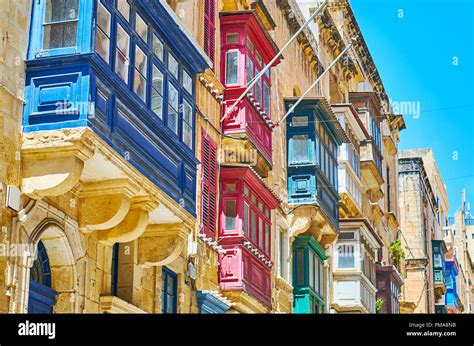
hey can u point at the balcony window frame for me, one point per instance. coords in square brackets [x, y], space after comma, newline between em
[169, 274]
[260, 215]
[260, 238]
[355, 255]
[60, 50]
[307, 130]
[226, 67]
[108, 35]
[303, 289]
[327, 154]
[252, 55]
[156, 61]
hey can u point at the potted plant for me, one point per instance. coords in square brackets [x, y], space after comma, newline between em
[397, 254]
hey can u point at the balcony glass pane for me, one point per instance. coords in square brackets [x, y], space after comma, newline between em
[124, 8]
[232, 67]
[232, 38]
[187, 124]
[173, 66]
[300, 148]
[142, 28]
[317, 274]
[157, 47]
[157, 93]
[258, 88]
[300, 267]
[254, 227]
[260, 233]
[346, 257]
[437, 261]
[249, 71]
[246, 219]
[102, 45]
[311, 271]
[122, 53]
[299, 122]
[187, 82]
[60, 10]
[140, 73]
[172, 108]
[267, 99]
[230, 215]
[267, 239]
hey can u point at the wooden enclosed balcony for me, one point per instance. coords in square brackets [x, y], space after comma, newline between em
[371, 165]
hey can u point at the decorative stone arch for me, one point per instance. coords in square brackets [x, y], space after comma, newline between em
[65, 247]
[61, 261]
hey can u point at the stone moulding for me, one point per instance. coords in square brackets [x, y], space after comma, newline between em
[245, 303]
[161, 244]
[115, 305]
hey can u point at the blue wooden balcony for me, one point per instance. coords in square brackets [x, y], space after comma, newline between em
[125, 70]
[313, 135]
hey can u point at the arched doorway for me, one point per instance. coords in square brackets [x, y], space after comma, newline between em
[41, 296]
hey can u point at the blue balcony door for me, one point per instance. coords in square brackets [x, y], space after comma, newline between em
[42, 297]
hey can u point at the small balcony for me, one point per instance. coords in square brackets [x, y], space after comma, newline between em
[244, 277]
[389, 283]
[248, 128]
[353, 294]
[350, 191]
[368, 109]
[354, 267]
[309, 276]
[439, 267]
[371, 165]
[313, 135]
[245, 236]
[246, 48]
[388, 140]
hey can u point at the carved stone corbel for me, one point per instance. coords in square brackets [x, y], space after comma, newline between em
[104, 205]
[49, 171]
[299, 224]
[311, 219]
[132, 226]
[161, 244]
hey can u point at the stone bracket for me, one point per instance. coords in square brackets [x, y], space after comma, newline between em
[132, 226]
[311, 219]
[161, 244]
[103, 205]
[53, 162]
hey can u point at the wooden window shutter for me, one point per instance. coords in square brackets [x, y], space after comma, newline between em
[208, 185]
[210, 29]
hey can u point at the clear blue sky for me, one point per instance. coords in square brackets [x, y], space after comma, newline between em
[414, 56]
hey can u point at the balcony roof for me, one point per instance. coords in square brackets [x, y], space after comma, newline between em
[354, 120]
[367, 224]
[322, 106]
[392, 271]
[250, 175]
[179, 38]
[262, 39]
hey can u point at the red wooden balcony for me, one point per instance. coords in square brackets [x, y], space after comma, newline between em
[245, 233]
[246, 48]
